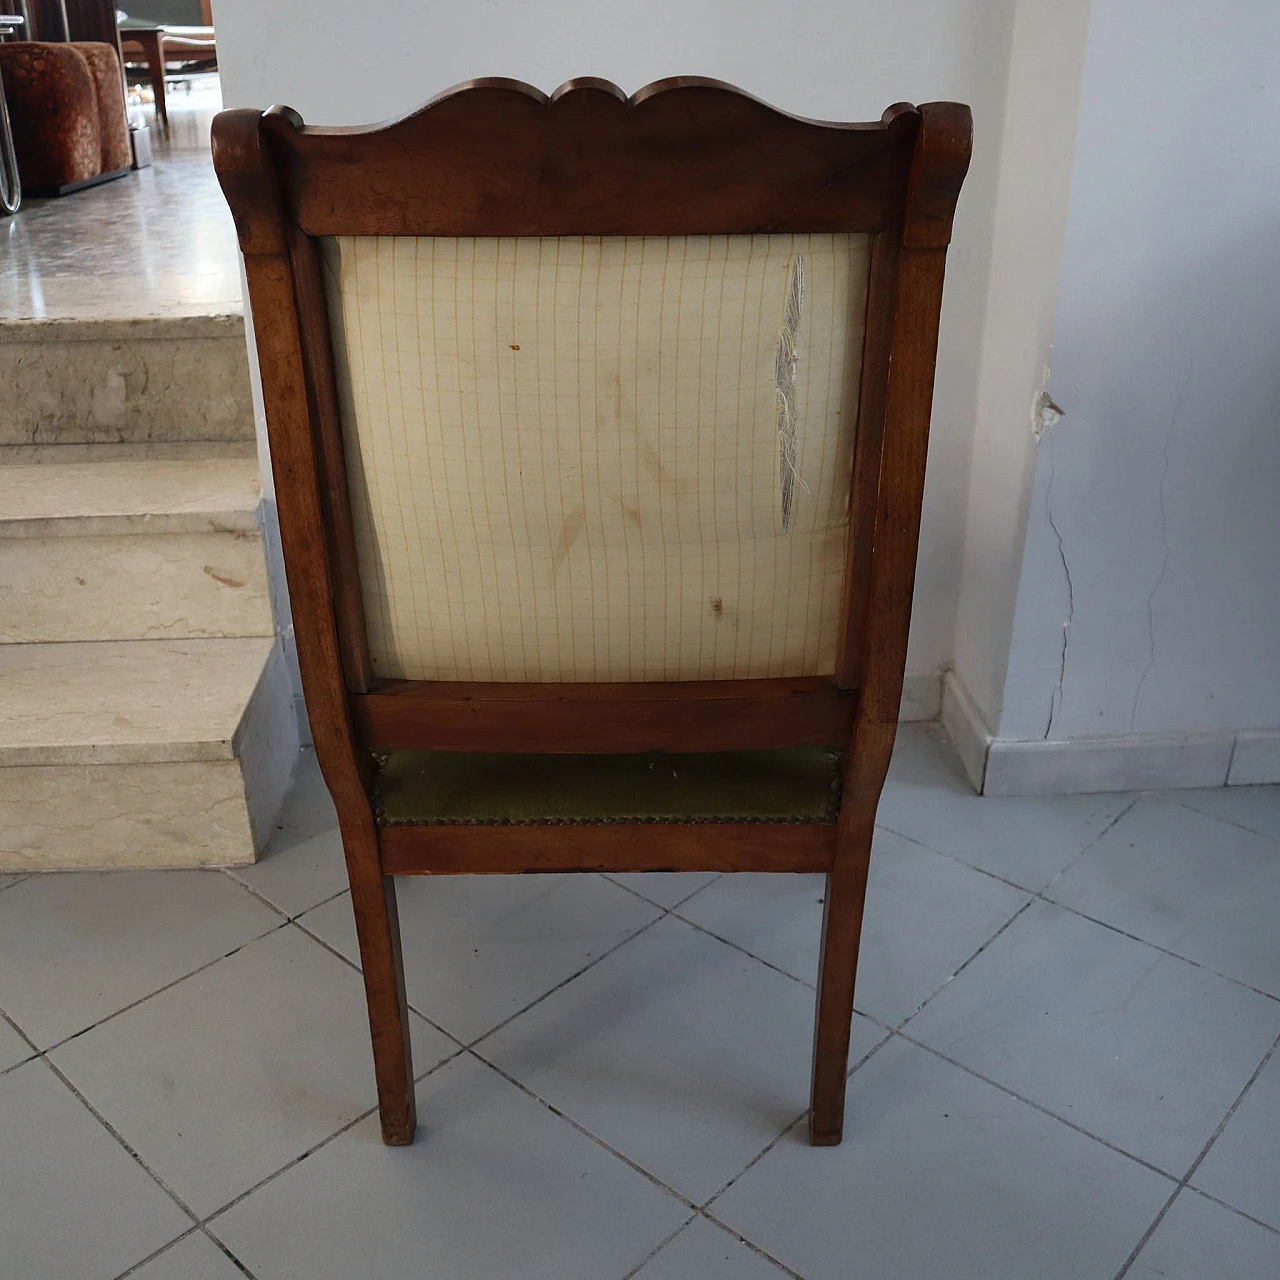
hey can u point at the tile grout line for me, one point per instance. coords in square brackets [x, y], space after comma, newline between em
[673, 911]
[1240, 1213]
[42, 1055]
[1185, 1181]
[1013, 884]
[35, 1048]
[1148, 1233]
[1155, 946]
[285, 919]
[1041, 894]
[111, 1129]
[280, 911]
[458, 1040]
[1216, 817]
[192, 1230]
[133, 1004]
[333, 951]
[472, 1051]
[604, 875]
[704, 1208]
[1235, 1106]
[658, 1248]
[1038, 1106]
[226, 1252]
[197, 1230]
[168, 986]
[751, 1244]
[811, 987]
[565, 982]
[1115, 822]
[310, 1151]
[587, 1133]
[946, 982]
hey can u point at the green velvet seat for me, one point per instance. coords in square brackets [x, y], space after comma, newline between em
[433, 787]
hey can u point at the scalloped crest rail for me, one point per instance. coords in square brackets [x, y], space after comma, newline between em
[681, 157]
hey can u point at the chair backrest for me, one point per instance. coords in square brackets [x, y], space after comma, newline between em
[593, 391]
[577, 459]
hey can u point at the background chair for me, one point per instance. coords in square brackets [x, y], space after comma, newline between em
[157, 33]
[599, 432]
[67, 114]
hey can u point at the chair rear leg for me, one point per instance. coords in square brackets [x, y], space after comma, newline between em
[373, 897]
[838, 967]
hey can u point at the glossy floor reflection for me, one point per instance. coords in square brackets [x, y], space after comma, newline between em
[1072, 1077]
[157, 242]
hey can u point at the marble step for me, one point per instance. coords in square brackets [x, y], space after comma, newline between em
[132, 549]
[150, 753]
[170, 378]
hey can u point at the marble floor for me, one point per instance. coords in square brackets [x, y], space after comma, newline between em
[157, 242]
[1063, 1062]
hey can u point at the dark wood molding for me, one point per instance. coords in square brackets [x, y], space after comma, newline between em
[650, 846]
[712, 715]
[681, 157]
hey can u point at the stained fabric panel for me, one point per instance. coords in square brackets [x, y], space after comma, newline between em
[599, 459]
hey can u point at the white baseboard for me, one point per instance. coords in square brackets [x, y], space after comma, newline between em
[1135, 762]
[1256, 758]
[966, 728]
[1132, 762]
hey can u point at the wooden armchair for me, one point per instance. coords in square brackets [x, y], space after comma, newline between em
[599, 431]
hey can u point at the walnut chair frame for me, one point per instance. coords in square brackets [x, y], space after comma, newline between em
[683, 156]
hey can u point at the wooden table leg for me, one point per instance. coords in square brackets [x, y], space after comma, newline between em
[152, 43]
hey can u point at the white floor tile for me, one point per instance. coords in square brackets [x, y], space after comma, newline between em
[1142, 1049]
[666, 888]
[1202, 888]
[73, 1202]
[1257, 808]
[680, 1052]
[1200, 1240]
[13, 1048]
[1028, 841]
[496, 1186]
[479, 948]
[78, 946]
[194, 1258]
[945, 1177]
[1243, 1166]
[226, 1077]
[909, 734]
[775, 916]
[302, 864]
[926, 914]
[703, 1251]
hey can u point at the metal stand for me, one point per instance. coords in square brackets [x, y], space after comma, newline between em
[10, 179]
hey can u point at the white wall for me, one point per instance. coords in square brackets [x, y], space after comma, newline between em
[1155, 519]
[1045, 65]
[840, 59]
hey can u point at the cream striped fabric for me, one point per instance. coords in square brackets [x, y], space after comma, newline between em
[599, 459]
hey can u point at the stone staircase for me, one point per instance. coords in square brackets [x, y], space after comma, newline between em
[146, 714]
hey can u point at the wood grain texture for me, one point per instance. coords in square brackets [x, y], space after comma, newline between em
[914, 304]
[684, 156]
[335, 500]
[681, 157]
[290, 412]
[642, 846]
[713, 715]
